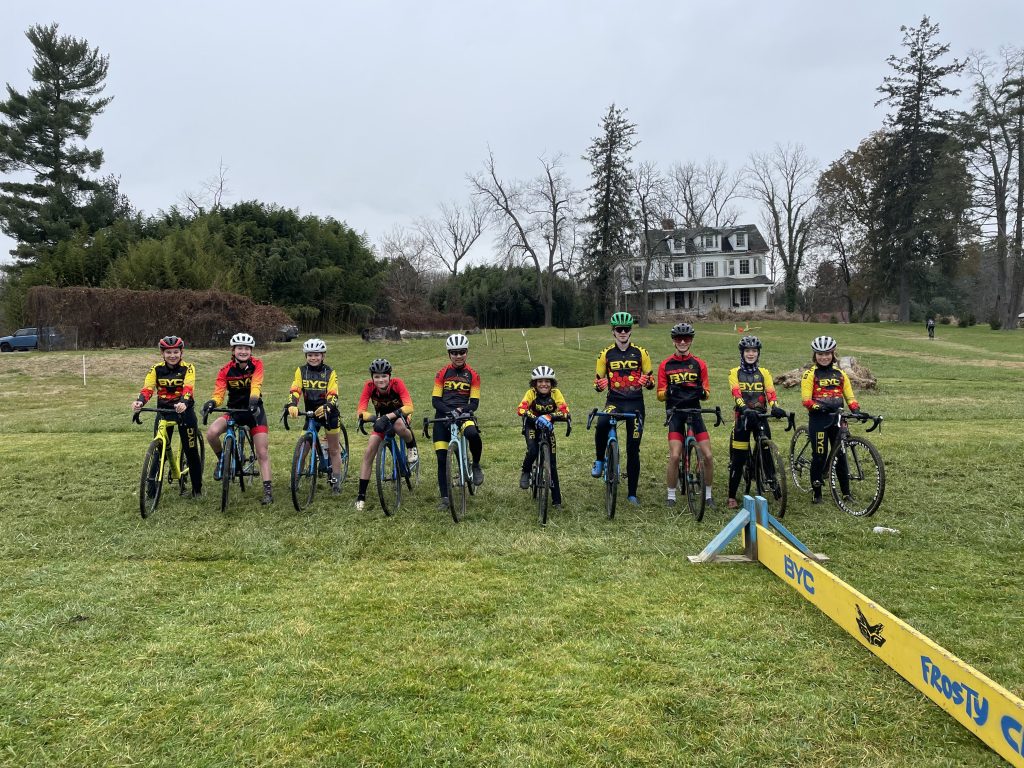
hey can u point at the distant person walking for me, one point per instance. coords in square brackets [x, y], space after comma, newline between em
[931, 327]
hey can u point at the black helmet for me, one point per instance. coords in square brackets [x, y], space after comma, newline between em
[172, 342]
[380, 365]
[750, 342]
[683, 329]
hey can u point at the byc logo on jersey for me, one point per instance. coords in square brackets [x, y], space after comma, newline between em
[457, 386]
[829, 382]
[684, 377]
[240, 383]
[313, 384]
[179, 382]
[623, 365]
[751, 386]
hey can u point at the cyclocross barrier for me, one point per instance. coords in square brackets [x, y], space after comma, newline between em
[981, 705]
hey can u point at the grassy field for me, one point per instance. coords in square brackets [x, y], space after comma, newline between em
[265, 637]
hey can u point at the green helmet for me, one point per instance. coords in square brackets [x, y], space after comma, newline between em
[621, 318]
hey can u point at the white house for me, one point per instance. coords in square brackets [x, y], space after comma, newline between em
[694, 270]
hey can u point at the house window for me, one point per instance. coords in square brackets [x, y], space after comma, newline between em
[638, 274]
[741, 241]
[732, 268]
[709, 269]
[689, 270]
[650, 301]
[757, 266]
[744, 266]
[709, 241]
[667, 271]
[680, 300]
[679, 269]
[678, 244]
[744, 297]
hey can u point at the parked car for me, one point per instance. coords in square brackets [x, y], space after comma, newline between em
[287, 332]
[25, 339]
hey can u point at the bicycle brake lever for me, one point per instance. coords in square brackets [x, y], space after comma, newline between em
[135, 417]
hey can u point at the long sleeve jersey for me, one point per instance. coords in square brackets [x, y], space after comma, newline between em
[752, 388]
[171, 383]
[315, 386]
[623, 369]
[683, 381]
[455, 388]
[828, 386]
[552, 404]
[395, 398]
[238, 382]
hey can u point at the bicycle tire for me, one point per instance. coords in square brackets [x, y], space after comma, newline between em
[342, 471]
[456, 484]
[611, 478]
[412, 471]
[227, 471]
[867, 478]
[183, 470]
[695, 497]
[800, 454]
[247, 465]
[543, 482]
[772, 486]
[304, 469]
[151, 481]
[389, 484]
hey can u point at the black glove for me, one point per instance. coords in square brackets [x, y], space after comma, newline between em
[455, 413]
[382, 424]
[778, 413]
[750, 414]
[254, 404]
[829, 408]
[208, 406]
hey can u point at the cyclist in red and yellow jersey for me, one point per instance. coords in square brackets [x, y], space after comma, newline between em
[392, 406]
[316, 384]
[173, 381]
[240, 383]
[542, 405]
[823, 389]
[456, 390]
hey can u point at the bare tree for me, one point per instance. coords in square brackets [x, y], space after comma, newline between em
[536, 221]
[211, 193]
[705, 195]
[448, 238]
[652, 194]
[783, 183]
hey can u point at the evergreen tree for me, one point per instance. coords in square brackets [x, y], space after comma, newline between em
[40, 132]
[610, 216]
[921, 142]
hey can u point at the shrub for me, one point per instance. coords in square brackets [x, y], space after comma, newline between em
[962, 322]
[995, 323]
[944, 320]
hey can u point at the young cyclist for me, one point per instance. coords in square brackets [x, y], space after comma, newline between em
[392, 405]
[541, 405]
[683, 383]
[823, 389]
[624, 370]
[240, 382]
[174, 382]
[316, 383]
[456, 390]
[752, 388]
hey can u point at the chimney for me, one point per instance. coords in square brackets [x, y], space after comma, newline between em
[668, 225]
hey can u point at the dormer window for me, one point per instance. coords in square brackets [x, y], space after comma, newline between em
[741, 241]
[678, 245]
[638, 273]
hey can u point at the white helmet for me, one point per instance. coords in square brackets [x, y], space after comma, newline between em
[456, 341]
[314, 345]
[823, 344]
[243, 340]
[543, 372]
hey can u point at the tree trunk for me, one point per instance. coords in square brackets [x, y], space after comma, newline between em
[904, 295]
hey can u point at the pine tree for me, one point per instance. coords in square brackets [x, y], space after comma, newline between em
[610, 217]
[40, 134]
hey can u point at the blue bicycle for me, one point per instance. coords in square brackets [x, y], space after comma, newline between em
[309, 460]
[460, 473]
[611, 473]
[392, 467]
[237, 457]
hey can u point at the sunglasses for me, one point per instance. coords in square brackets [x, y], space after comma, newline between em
[458, 351]
[687, 339]
[622, 329]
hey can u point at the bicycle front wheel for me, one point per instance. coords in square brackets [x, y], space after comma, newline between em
[412, 470]
[457, 482]
[152, 481]
[611, 478]
[389, 482]
[304, 470]
[800, 454]
[543, 489]
[228, 470]
[342, 471]
[770, 472]
[695, 498]
[866, 474]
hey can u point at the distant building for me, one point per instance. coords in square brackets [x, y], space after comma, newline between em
[695, 270]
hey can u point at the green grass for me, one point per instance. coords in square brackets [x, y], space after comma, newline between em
[266, 637]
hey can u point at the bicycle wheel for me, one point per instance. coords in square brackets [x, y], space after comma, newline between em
[304, 470]
[770, 472]
[867, 478]
[342, 471]
[695, 498]
[543, 489]
[151, 482]
[412, 473]
[389, 483]
[227, 456]
[246, 466]
[611, 478]
[800, 453]
[183, 470]
[457, 483]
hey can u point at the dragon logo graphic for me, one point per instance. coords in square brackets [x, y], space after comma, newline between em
[871, 632]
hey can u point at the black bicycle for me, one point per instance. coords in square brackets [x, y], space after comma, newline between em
[865, 471]
[764, 467]
[540, 475]
[691, 461]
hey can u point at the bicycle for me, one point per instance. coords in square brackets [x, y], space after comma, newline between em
[391, 468]
[540, 474]
[761, 450]
[691, 461]
[310, 459]
[610, 473]
[159, 464]
[460, 473]
[237, 455]
[864, 466]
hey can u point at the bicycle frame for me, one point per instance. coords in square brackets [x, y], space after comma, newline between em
[458, 443]
[153, 479]
[691, 470]
[610, 474]
[391, 474]
[540, 486]
[234, 463]
[307, 464]
[773, 491]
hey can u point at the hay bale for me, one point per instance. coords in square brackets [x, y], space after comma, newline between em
[860, 377]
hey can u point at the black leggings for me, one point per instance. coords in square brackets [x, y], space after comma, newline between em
[532, 449]
[824, 433]
[441, 437]
[634, 429]
[188, 432]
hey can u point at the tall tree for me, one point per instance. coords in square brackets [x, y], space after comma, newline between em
[39, 135]
[611, 217]
[705, 194]
[652, 200]
[921, 134]
[783, 183]
[995, 137]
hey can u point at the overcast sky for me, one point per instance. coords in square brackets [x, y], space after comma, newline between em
[374, 112]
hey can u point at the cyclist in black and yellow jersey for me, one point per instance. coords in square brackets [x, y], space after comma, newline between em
[316, 384]
[456, 390]
[173, 381]
[623, 370]
[542, 405]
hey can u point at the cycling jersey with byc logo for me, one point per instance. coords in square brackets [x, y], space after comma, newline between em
[752, 389]
[171, 383]
[395, 398]
[238, 382]
[316, 386]
[828, 386]
[456, 386]
[683, 381]
[535, 404]
[623, 369]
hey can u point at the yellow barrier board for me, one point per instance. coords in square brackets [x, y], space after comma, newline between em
[982, 706]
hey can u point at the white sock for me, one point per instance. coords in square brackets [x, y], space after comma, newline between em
[707, 491]
[672, 494]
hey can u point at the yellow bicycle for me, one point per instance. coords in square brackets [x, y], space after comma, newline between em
[160, 464]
